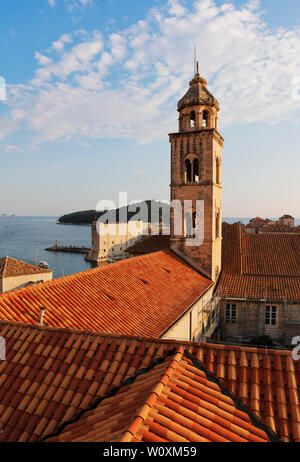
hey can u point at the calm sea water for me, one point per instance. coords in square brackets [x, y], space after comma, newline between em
[24, 237]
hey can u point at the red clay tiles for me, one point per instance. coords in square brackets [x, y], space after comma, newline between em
[144, 308]
[260, 266]
[37, 395]
[10, 267]
[160, 406]
[149, 244]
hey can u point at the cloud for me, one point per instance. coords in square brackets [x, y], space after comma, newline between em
[10, 149]
[72, 4]
[60, 43]
[42, 60]
[128, 84]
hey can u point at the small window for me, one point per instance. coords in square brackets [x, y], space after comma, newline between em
[218, 224]
[195, 171]
[270, 315]
[192, 119]
[205, 119]
[188, 171]
[230, 314]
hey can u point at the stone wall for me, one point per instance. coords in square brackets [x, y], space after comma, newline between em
[250, 321]
[113, 239]
[206, 145]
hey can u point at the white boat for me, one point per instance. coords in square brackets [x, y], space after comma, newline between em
[43, 264]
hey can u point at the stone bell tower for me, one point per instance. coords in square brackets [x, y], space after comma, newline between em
[196, 175]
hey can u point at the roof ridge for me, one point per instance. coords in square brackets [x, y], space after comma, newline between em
[79, 332]
[256, 421]
[174, 342]
[156, 391]
[5, 265]
[130, 380]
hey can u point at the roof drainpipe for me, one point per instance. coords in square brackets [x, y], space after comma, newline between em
[42, 314]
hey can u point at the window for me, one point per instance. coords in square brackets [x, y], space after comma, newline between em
[230, 314]
[270, 315]
[218, 224]
[188, 171]
[194, 224]
[188, 224]
[205, 119]
[195, 171]
[192, 119]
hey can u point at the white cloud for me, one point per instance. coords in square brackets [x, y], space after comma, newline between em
[42, 60]
[60, 43]
[141, 171]
[128, 85]
[176, 8]
[72, 4]
[9, 149]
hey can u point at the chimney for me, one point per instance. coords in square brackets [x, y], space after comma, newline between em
[42, 314]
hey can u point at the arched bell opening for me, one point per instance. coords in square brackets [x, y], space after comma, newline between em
[188, 171]
[193, 119]
[205, 119]
[195, 178]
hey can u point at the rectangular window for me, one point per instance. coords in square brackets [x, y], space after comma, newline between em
[230, 314]
[270, 315]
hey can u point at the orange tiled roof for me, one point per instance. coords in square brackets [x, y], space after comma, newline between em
[142, 296]
[172, 402]
[150, 244]
[52, 375]
[9, 267]
[260, 266]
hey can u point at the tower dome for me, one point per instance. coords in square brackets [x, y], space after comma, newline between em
[198, 107]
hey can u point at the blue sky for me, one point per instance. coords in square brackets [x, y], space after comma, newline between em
[92, 88]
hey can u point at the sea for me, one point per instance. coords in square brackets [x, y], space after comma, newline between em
[26, 238]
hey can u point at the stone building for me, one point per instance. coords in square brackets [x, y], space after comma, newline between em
[287, 220]
[285, 224]
[260, 285]
[196, 175]
[16, 274]
[110, 240]
[168, 293]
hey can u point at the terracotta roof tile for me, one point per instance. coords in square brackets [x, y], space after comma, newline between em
[78, 301]
[10, 267]
[260, 266]
[164, 377]
[149, 244]
[162, 419]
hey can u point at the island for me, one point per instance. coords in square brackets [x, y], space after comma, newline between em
[160, 212]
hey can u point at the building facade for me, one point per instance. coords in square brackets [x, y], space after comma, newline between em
[196, 175]
[15, 274]
[259, 285]
[110, 240]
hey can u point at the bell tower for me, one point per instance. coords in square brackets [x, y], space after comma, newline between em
[196, 175]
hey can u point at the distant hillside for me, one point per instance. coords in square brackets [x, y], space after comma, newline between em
[86, 217]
